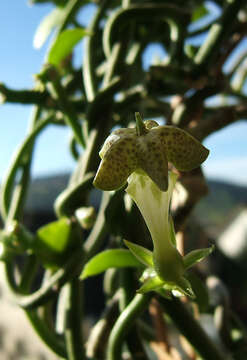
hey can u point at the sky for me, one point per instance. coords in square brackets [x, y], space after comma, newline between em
[19, 60]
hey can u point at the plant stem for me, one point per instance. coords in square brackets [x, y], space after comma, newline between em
[124, 324]
[219, 30]
[191, 329]
[89, 74]
[47, 290]
[73, 331]
[8, 183]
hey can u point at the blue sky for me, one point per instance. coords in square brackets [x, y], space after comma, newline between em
[19, 60]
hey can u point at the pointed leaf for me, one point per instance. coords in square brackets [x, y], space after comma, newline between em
[151, 284]
[114, 258]
[46, 26]
[55, 235]
[195, 256]
[199, 12]
[54, 242]
[64, 44]
[144, 255]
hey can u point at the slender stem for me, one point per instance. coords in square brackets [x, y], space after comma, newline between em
[70, 116]
[73, 331]
[124, 323]
[99, 231]
[47, 290]
[191, 329]
[89, 73]
[7, 186]
[219, 30]
[133, 340]
[23, 96]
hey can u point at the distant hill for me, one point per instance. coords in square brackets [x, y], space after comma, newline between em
[223, 198]
[43, 192]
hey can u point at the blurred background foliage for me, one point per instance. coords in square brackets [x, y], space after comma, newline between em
[44, 245]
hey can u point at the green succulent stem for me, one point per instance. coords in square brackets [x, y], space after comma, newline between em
[124, 323]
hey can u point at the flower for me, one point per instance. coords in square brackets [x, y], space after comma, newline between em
[148, 147]
[140, 156]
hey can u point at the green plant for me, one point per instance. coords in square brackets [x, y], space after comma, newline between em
[113, 87]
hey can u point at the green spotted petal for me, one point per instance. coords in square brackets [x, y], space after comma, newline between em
[182, 150]
[119, 160]
[114, 137]
[152, 158]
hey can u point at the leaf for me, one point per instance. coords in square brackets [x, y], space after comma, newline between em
[54, 242]
[55, 235]
[114, 258]
[151, 284]
[46, 26]
[195, 256]
[144, 255]
[200, 12]
[64, 44]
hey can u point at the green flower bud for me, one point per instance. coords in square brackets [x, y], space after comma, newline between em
[86, 217]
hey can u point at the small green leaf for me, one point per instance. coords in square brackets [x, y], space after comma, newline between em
[64, 44]
[46, 26]
[151, 284]
[115, 258]
[144, 255]
[199, 12]
[195, 256]
[55, 235]
[54, 242]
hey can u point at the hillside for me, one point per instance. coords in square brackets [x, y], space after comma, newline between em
[223, 198]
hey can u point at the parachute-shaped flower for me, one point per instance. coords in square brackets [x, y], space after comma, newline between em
[148, 147]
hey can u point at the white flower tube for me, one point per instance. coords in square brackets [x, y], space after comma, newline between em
[154, 205]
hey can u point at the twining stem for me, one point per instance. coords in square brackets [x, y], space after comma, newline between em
[73, 331]
[124, 323]
[89, 74]
[7, 187]
[218, 31]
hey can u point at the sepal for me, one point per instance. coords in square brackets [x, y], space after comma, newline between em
[144, 255]
[196, 256]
